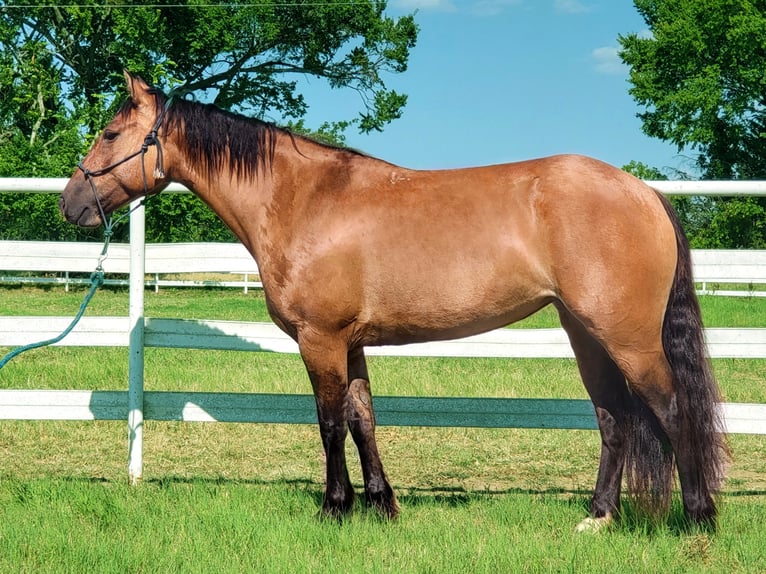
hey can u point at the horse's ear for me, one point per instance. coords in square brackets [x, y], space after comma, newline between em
[137, 87]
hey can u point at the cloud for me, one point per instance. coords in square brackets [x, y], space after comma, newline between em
[607, 61]
[492, 7]
[435, 5]
[475, 7]
[570, 6]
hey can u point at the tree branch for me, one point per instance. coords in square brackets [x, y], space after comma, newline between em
[39, 122]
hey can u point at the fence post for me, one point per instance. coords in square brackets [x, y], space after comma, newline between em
[136, 356]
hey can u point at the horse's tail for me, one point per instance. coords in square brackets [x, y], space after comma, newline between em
[697, 395]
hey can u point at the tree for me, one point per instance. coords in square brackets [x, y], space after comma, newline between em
[701, 79]
[60, 67]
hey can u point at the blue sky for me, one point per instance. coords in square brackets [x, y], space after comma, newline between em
[492, 81]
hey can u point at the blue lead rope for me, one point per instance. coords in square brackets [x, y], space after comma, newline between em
[96, 280]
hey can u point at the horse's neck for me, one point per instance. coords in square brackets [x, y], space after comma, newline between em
[236, 203]
[264, 210]
[256, 208]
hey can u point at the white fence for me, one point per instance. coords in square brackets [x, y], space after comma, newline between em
[138, 331]
[161, 259]
[712, 267]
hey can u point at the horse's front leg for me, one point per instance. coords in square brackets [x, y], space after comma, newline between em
[326, 363]
[361, 421]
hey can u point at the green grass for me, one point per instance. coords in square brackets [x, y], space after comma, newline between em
[234, 497]
[231, 526]
[232, 304]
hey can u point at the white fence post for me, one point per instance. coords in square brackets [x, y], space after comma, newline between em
[136, 360]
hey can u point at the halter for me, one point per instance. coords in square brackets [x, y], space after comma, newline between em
[151, 139]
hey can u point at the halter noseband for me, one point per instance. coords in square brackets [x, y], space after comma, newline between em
[151, 139]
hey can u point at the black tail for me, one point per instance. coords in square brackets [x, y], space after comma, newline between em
[649, 460]
[684, 344]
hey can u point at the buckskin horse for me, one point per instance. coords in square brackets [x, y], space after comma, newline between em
[355, 251]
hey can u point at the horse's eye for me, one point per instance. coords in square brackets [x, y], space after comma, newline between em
[109, 135]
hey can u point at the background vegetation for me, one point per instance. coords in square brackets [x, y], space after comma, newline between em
[60, 68]
[697, 74]
[700, 78]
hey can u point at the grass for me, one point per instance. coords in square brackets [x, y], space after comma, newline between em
[233, 497]
[232, 304]
[224, 526]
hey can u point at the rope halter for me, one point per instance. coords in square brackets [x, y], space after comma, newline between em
[151, 139]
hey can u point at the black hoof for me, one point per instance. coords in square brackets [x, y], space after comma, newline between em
[337, 507]
[384, 503]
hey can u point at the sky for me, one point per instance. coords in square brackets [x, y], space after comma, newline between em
[494, 81]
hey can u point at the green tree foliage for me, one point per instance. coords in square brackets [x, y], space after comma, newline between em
[701, 79]
[61, 66]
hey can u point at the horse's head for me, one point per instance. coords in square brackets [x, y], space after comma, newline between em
[124, 163]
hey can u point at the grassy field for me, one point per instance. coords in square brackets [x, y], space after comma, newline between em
[234, 497]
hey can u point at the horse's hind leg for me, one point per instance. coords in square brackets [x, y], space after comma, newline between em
[361, 421]
[606, 386]
[667, 414]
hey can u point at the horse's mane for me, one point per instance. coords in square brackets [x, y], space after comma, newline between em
[219, 139]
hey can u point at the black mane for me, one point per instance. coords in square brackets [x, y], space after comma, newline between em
[219, 139]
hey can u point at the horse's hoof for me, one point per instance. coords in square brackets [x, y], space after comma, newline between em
[594, 525]
[337, 507]
[333, 514]
[384, 503]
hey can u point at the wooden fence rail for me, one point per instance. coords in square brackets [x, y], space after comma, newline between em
[573, 414]
[736, 343]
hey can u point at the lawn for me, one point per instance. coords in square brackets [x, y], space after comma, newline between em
[236, 497]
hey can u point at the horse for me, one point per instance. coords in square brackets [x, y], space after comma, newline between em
[355, 251]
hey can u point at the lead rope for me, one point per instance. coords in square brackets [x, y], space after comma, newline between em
[96, 280]
[97, 277]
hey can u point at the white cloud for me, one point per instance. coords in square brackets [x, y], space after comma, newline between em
[607, 60]
[475, 7]
[436, 5]
[492, 7]
[570, 6]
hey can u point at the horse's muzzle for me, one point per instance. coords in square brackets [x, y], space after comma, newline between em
[78, 208]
